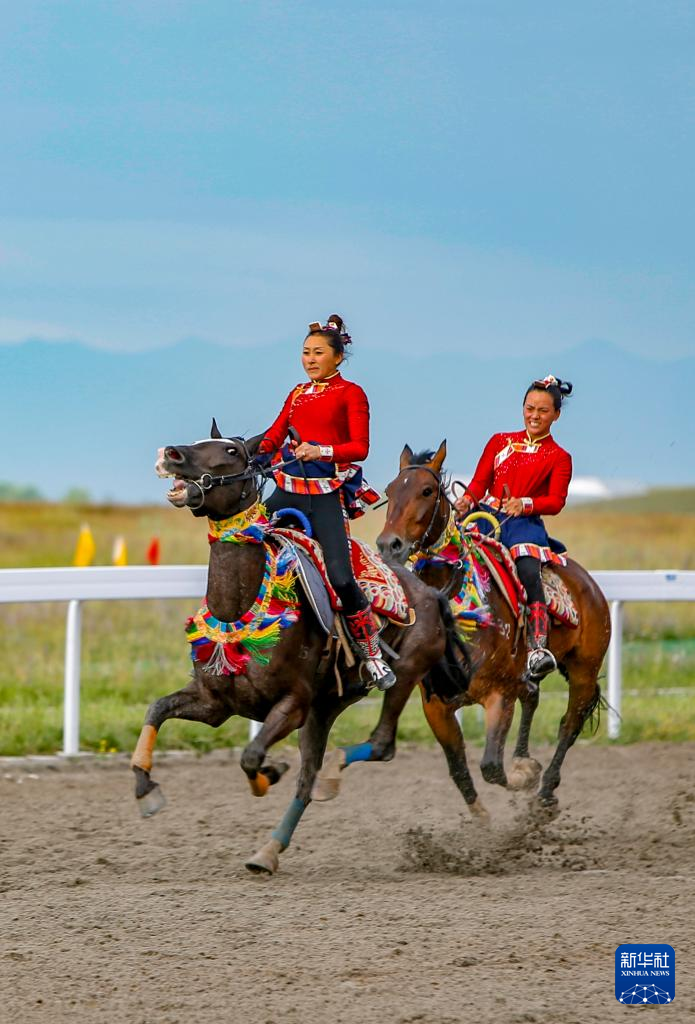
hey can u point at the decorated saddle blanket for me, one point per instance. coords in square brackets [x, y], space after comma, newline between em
[377, 580]
[499, 562]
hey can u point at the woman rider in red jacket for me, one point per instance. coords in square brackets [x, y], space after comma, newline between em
[521, 476]
[331, 416]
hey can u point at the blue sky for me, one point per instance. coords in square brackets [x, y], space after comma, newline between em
[510, 177]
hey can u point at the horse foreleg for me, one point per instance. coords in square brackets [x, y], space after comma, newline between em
[185, 704]
[282, 719]
[312, 744]
[584, 697]
[499, 711]
[381, 745]
[442, 720]
[525, 769]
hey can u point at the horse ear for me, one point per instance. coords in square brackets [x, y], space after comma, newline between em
[406, 456]
[253, 444]
[438, 460]
[214, 429]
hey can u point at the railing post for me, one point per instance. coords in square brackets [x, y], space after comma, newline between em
[71, 695]
[615, 668]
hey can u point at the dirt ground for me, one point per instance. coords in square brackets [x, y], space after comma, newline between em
[391, 906]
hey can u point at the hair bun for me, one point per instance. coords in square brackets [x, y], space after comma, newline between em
[337, 323]
[565, 387]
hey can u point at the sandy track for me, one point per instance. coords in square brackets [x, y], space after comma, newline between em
[391, 906]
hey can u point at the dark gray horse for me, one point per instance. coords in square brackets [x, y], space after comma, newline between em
[297, 688]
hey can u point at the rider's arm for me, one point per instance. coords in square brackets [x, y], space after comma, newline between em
[485, 471]
[554, 501]
[356, 447]
[276, 434]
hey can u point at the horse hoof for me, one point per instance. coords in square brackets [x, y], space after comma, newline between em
[548, 806]
[266, 777]
[479, 813]
[327, 782]
[267, 860]
[151, 802]
[494, 774]
[524, 773]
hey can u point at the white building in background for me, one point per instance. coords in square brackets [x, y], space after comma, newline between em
[586, 488]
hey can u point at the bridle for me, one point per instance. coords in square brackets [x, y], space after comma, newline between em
[424, 545]
[207, 481]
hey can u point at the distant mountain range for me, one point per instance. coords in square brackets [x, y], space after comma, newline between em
[73, 416]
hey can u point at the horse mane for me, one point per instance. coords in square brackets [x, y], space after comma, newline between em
[424, 458]
[421, 458]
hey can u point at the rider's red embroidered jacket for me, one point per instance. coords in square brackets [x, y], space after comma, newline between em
[334, 412]
[538, 472]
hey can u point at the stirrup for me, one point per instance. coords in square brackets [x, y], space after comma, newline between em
[539, 664]
[381, 674]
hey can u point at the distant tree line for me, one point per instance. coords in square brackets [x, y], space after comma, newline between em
[28, 492]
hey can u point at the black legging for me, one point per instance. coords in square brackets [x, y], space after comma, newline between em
[529, 570]
[325, 513]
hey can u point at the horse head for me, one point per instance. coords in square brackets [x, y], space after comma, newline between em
[213, 477]
[418, 508]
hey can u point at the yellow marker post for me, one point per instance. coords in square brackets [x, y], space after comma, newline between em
[120, 551]
[85, 549]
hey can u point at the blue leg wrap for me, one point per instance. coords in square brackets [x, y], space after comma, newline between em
[358, 752]
[283, 833]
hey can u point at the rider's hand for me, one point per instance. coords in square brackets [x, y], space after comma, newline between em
[307, 452]
[513, 506]
[463, 504]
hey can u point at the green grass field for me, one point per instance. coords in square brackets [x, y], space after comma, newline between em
[135, 651]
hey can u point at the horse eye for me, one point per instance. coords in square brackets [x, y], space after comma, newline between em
[427, 491]
[231, 451]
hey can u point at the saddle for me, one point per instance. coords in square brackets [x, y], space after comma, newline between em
[376, 579]
[498, 561]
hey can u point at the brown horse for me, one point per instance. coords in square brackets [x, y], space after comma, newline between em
[417, 516]
[298, 687]
[418, 513]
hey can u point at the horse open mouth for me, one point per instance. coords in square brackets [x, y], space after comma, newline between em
[178, 493]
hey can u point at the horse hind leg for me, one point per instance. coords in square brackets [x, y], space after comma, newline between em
[184, 704]
[312, 745]
[583, 700]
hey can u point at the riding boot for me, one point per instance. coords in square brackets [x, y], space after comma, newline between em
[363, 630]
[540, 660]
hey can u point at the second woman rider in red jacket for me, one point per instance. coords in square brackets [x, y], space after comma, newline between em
[521, 476]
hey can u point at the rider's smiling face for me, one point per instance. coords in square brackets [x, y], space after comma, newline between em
[539, 413]
[319, 359]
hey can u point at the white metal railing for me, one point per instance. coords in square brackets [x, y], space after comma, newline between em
[144, 582]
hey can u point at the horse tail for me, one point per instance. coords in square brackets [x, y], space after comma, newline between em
[592, 712]
[449, 678]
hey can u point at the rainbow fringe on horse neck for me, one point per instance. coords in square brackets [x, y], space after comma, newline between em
[469, 606]
[226, 648]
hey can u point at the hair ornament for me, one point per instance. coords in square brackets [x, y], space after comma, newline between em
[548, 382]
[331, 325]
